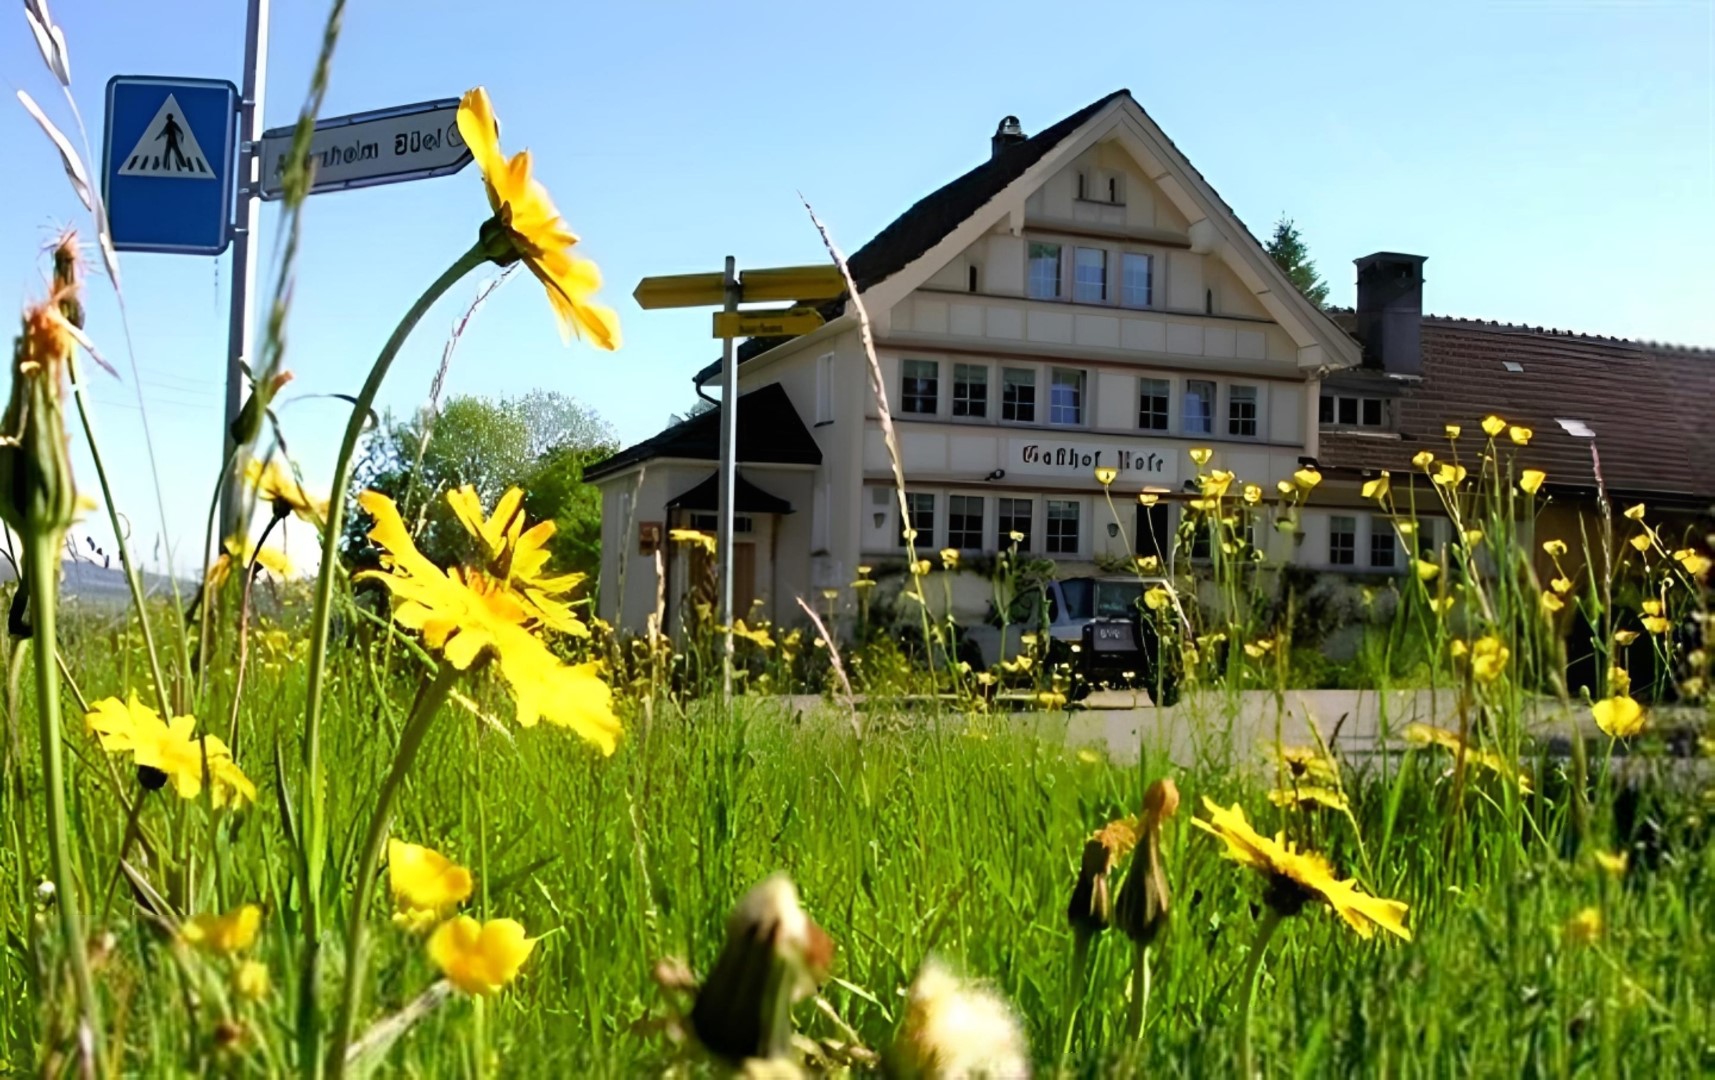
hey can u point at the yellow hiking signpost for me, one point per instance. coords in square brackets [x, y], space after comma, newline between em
[728, 289]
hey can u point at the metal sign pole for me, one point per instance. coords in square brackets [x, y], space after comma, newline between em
[729, 478]
[246, 216]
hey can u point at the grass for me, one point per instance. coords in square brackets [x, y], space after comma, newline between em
[932, 835]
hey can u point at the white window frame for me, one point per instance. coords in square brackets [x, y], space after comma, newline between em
[1047, 539]
[1084, 410]
[1059, 247]
[982, 521]
[1163, 381]
[953, 400]
[1256, 403]
[936, 364]
[1153, 264]
[1103, 287]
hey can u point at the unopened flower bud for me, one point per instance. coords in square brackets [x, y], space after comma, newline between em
[36, 492]
[1145, 898]
[1089, 910]
[774, 956]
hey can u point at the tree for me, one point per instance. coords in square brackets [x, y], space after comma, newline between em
[1288, 251]
[540, 442]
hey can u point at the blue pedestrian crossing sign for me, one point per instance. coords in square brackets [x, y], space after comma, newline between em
[168, 160]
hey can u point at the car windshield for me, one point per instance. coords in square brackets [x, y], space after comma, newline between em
[1117, 599]
[1078, 593]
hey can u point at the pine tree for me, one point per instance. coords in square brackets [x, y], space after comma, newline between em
[1288, 250]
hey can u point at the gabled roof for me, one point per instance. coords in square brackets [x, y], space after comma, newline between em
[747, 497]
[1648, 405]
[936, 214]
[769, 432]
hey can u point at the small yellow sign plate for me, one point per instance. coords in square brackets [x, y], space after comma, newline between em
[794, 283]
[781, 322]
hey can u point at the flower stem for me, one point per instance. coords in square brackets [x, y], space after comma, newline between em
[1139, 994]
[313, 825]
[429, 700]
[1253, 969]
[41, 550]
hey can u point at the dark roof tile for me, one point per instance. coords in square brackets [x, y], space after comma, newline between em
[771, 432]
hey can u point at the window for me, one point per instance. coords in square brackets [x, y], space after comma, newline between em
[1342, 540]
[922, 519]
[1045, 271]
[1350, 411]
[920, 386]
[965, 522]
[825, 389]
[970, 390]
[1090, 276]
[1062, 527]
[1018, 395]
[1241, 412]
[1113, 189]
[1137, 277]
[972, 279]
[1153, 534]
[1066, 396]
[1199, 407]
[1383, 544]
[1083, 185]
[1012, 516]
[1152, 403]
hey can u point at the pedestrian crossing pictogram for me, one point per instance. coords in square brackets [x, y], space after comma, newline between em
[168, 148]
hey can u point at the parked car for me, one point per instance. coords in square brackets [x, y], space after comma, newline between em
[1096, 622]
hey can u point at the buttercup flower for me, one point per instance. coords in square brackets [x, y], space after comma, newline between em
[1550, 602]
[1625, 637]
[426, 885]
[1493, 425]
[1429, 735]
[757, 635]
[1554, 548]
[251, 981]
[1452, 431]
[1561, 585]
[1635, 512]
[1531, 480]
[1423, 459]
[1201, 455]
[949, 558]
[921, 568]
[1488, 658]
[1612, 862]
[1157, 599]
[1692, 561]
[1147, 498]
[1584, 927]
[694, 537]
[1215, 485]
[1520, 435]
[1426, 570]
[1304, 796]
[275, 485]
[1448, 474]
[465, 617]
[1106, 474]
[1377, 488]
[228, 933]
[1642, 542]
[1296, 878]
[239, 553]
[1307, 478]
[1619, 717]
[1655, 624]
[480, 958]
[530, 228]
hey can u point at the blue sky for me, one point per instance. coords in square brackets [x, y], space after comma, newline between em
[1555, 161]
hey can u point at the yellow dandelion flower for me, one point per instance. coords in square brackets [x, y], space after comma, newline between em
[518, 556]
[1307, 796]
[274, 484]
[1297, 877]
[1493, 425]
[531, 229]
[1201, 455]
[1106, 475]
[1378, 488]
[466, 617]
[232, 932]
[1307, 478]
[1306, 764]
[167, 750]
[1423, 459]
[1530, 481]
[1430, 735]
[1520, 435]
[479, 958]
[426, 885]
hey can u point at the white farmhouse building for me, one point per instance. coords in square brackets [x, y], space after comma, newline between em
[1081, 298]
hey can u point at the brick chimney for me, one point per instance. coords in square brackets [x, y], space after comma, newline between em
[1390, 311]
[1008, 133]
